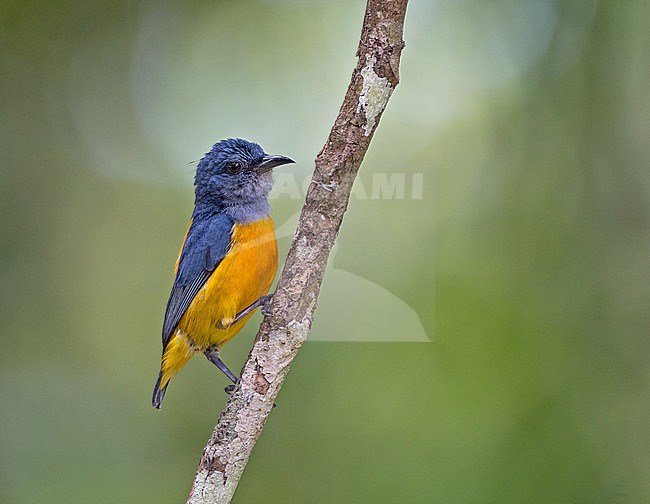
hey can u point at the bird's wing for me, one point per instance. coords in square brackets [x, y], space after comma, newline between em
[206, 244]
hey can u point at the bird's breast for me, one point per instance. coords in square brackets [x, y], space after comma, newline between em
[242, 277]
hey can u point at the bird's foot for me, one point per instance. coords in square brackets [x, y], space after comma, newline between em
[229, 389]
[266, 305]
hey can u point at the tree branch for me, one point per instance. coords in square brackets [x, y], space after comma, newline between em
[292, 307]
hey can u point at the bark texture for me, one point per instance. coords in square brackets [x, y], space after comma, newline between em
[292, 307]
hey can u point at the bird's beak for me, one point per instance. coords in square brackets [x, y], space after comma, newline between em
[270, 162]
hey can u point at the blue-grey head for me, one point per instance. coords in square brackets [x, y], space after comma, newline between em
[236, 177]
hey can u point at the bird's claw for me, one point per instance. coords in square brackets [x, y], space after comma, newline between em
[266, 306]
[229, 389]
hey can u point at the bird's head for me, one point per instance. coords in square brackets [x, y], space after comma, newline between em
[235, 174]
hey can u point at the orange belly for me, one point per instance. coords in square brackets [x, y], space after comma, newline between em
[242, 277]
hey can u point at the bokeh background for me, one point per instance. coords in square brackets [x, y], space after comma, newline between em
[523, 268]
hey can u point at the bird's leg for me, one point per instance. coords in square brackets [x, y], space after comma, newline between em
[263, 302]
[212, 354]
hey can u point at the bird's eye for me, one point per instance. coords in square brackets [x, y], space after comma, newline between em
[234, 167]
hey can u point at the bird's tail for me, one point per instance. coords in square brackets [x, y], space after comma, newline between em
[158, 392]
[177, 352]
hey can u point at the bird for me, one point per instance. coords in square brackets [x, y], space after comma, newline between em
[227, 261]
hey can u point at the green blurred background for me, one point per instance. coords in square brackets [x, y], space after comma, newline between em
[526, 262]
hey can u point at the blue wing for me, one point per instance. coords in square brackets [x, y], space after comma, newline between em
[205, 246]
